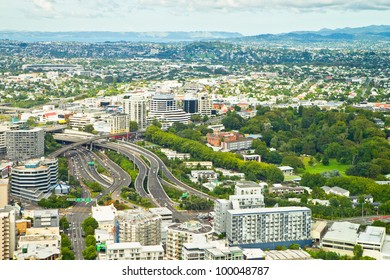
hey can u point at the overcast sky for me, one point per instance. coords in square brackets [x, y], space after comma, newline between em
[248, 17]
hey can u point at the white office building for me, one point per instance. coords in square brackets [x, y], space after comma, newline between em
[35, 179]
[135, 107]
[164, 108]
[269, 227]
[25, 144]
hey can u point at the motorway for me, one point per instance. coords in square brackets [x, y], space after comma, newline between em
[149, 155]
[154, 187]
[81, 210]
[141, 165]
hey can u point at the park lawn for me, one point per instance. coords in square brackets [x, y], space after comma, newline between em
[318, 167]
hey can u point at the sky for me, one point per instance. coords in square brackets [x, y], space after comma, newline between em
[248, 17]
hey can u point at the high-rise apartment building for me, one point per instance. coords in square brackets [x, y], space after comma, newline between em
[25, 144]
[247, 195]
[7, 233]
[3, 145]
[138, 226]
[135, 107]
[178, 234]
[269, 227]
[119, 123]
[205, 104]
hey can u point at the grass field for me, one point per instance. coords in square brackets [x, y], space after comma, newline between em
[318, 167]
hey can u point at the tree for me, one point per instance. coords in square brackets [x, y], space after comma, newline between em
[155, 122]
[89, 225]
[357, 252]
[133, 126]
[90, 241]
[293, 161]
[294, 246]
[67, 254]
[89, 129]
[64, 224]
[90, 253]
[325, 160]
[65, 241]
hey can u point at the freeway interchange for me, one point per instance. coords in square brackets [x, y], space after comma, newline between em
[148, 183]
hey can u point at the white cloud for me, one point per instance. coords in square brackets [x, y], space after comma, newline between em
[118, 8]
[45, 5]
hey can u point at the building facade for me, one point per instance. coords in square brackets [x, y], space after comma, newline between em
[25, 144]
[119, 123]
[133, 251]
[138, 226]
[178, 234]
[267, 228]
[135, 107]
[34, 179]
[7, 233]
[164, 108]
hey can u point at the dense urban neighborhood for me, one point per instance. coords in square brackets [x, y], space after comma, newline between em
[236, 148]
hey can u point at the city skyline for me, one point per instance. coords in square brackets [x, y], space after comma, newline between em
[247, 17]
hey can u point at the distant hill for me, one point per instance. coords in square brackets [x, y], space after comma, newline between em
[367, 33]
[96, 36]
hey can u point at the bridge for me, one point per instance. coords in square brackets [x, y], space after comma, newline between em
[77, 142]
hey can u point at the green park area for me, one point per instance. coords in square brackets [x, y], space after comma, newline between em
[318, 167]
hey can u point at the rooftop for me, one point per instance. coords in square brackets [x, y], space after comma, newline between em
[104, 213]
[372, 235]
[268, 210]
[191, 227]
[247, 184]
[287, 255]
[162, 211]
[343, 232]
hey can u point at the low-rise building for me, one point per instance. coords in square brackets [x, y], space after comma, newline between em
[341, 236]
[133, 251]
[46, 218]
[372, 238]
[335, 190]
[196, 164]
[105, 216]
[287, 255]
[175, 155]
[199, 175]
[40, 238]
[286, 170]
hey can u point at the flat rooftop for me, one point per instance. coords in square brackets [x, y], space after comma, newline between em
[268, 210]
[163, 211]
[342, 232]
[372, 234]
[287, 255]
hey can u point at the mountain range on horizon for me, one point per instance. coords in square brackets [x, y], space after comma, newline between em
[372, 32]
